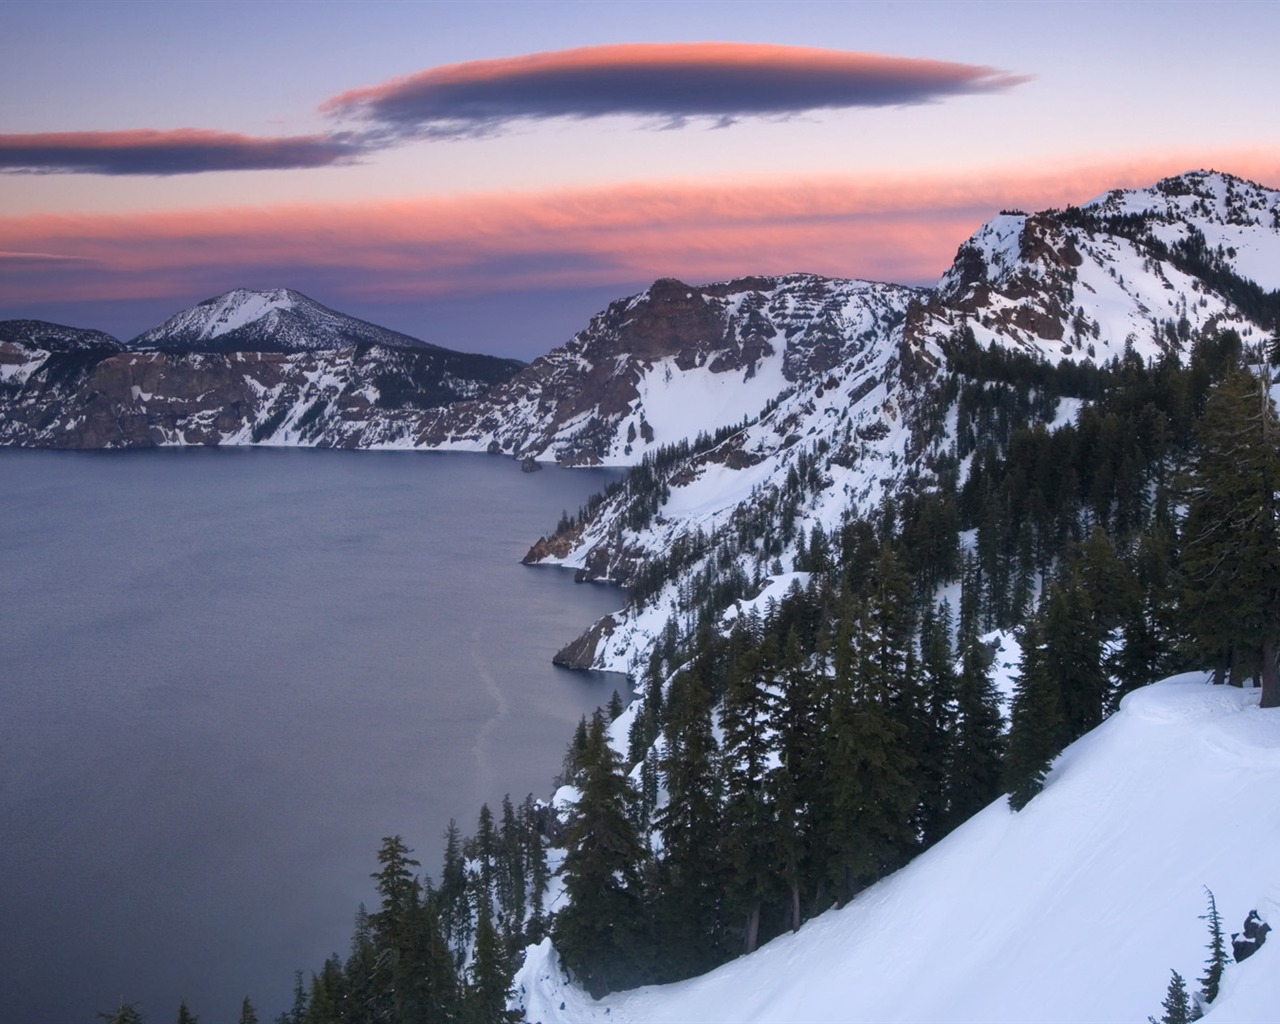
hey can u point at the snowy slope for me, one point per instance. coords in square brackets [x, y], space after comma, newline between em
[1230, 212]
[1073, 910]
[280, 320]
[1081, 284]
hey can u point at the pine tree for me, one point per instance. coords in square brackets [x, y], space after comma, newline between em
[427, 983]
[573, 754]
[185, 1016]
[512, 882]
[935, 752]
[794, 778]
[451, 897]
[1037, 730]
[1176, 1005]
[327, 1003]
[365, 992]
[596, 933]
[535, 856]
[415, 965]
[870, 770]
[616, 707]
[1217, 960]
[482, 849]
[489, 986]
[976, 760]
[690, 880]
[297, 1014]
[396, 885]
[248, 1015]
[125, 1013]
[1074, 635]
[1231, 532]
[1144, 654]
[749, 743]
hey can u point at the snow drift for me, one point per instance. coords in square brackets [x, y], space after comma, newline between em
[1074, 909]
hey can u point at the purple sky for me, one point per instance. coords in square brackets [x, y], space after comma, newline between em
[485, 176]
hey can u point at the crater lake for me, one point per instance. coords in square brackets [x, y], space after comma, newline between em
[226, 674]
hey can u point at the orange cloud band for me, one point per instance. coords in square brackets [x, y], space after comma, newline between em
[900, 230]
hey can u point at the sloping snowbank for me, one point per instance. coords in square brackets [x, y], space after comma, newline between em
[1073, 910]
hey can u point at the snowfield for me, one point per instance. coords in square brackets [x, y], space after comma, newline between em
[1073, 910]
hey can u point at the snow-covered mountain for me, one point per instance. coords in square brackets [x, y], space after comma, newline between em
[1137, 271]
[281, 320]
[670, 363]
[1140, 267]
[244, 368]
[1074, 909]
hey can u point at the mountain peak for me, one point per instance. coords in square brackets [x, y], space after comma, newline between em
[1202, 195]
[276, 320]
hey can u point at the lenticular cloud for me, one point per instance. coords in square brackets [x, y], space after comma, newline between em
[179, 151]
[672, 82]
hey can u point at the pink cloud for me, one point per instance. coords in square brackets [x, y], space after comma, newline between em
[669, 81]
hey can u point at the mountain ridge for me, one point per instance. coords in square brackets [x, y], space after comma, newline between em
[1132, 269]
[1053, 287]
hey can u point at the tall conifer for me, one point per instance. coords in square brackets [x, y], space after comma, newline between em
[597, 933]
[1231, 532]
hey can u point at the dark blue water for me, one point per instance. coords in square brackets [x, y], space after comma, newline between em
[225, 675]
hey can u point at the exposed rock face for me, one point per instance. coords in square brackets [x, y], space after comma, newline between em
[556, 547]
[1245, 944]
[581, 654]
[677, 359]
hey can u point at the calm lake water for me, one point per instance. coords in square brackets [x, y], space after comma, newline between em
[225, 675]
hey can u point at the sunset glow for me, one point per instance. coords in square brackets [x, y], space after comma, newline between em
[518, 153]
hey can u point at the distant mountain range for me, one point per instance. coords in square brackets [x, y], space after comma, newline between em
[1136, 268]
[243, 368]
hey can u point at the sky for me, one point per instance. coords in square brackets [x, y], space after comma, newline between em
[487, 175]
